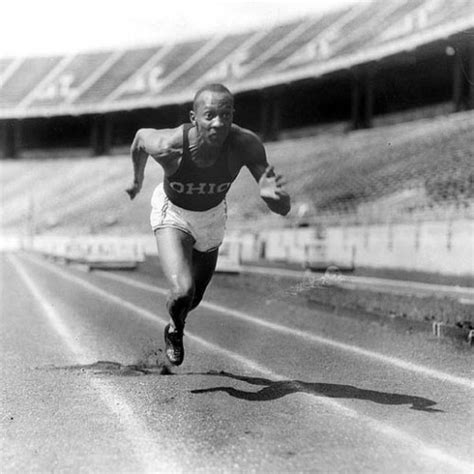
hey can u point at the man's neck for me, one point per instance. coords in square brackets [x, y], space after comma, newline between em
[202, 152]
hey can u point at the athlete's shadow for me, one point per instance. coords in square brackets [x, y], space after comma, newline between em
[277, 389]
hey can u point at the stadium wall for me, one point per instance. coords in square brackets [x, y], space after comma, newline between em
[436, 247]
[443, 247]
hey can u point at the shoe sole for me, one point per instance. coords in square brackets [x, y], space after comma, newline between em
[169, 346]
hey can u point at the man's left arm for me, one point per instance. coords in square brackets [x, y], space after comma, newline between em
[271, 185]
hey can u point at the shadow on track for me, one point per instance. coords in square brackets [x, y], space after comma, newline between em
[272, 390]
[277, 389]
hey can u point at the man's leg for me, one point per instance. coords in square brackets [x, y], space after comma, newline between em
[175, 251]
[204, 264]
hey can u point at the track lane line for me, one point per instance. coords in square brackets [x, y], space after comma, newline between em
[395, 361]
[420, 447]
[142, 441]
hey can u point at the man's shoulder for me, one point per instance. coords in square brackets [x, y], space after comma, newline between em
[245, 139]
[157, 140]
[169, 135]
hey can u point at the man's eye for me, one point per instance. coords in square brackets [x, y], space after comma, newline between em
[207, 116]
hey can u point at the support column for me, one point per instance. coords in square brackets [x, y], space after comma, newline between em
[368, 98]
[463, 78]
[95, 133]
[3, 139]
[108, 133]
[270, 116]
[101, 135]
[362, 97]
[355, 103]
[275, 118]
[457, 81]
[264, 115]
[10, 133]
[469, 78]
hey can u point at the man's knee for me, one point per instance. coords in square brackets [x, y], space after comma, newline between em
[182, 295]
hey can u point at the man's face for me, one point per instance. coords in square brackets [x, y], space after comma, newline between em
[212, 116]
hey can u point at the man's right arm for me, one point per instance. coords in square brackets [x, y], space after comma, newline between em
[139, 159]
[148, 142]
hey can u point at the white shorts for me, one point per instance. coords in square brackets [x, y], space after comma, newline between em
[206, 227]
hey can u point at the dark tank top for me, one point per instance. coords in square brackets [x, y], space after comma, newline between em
[195, 188]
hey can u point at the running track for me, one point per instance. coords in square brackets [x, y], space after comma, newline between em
[266, 386]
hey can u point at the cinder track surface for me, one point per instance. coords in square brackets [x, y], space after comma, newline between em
[266, 386]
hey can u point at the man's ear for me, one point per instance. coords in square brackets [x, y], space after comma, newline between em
[192, 117]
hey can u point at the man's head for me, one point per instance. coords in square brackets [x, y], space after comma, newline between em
[212, 114]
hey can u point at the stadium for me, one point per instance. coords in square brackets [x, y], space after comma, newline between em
[368, 112]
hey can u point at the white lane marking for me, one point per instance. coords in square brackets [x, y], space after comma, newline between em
[146, 448]
[51, 314]
[422, 448]
[463, 382]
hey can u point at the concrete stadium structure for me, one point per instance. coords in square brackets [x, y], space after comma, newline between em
[400, 196]
[351, 65]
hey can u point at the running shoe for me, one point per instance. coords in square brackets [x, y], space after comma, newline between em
[174, 349]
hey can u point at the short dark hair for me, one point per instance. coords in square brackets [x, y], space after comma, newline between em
[211, 88]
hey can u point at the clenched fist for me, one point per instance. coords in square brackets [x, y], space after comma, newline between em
[133, 190]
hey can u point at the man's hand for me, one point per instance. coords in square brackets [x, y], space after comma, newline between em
[134, 189]
[271, 185]
[273, 193]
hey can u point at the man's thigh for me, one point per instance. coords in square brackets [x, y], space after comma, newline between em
[175, 252]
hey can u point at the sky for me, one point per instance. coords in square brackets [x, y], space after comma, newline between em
[39, 27]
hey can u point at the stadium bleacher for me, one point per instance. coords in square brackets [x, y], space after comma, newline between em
[373, 175]
[307, 47]
[323, 41]
[406, 171]
[118, 72]
[268, 40]
[67, 81]
[160, 70]
[302, 35]
[25, 78]
[198, 70]
[424, 16]
[4, 64]
[358, 38]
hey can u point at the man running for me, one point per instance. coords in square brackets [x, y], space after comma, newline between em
[200, 161]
